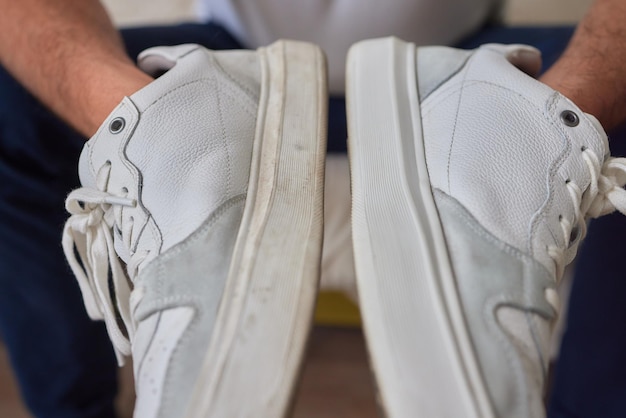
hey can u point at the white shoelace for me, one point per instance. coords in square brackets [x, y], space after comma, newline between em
[604, 195]
[89, 232]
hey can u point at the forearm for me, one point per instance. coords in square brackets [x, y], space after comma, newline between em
[69, 55]
[592, 70]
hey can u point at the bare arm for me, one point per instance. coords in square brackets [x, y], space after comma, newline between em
[592, 70]
[69, 55]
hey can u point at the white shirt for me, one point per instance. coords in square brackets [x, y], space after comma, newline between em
[336, 24]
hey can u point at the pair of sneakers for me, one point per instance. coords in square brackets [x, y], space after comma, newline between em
[197, 233]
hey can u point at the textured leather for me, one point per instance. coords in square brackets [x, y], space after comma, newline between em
[499, 156]
[183, 154]
[124, 179]
[494, 135]
[192, 150]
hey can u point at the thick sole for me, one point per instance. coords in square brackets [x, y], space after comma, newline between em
[254, 358]
[420, 350]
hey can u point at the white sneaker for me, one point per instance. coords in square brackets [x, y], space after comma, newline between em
[208, 184]
[471, 186]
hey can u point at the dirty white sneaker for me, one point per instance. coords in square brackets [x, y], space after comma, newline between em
[471, 186]
[197, 233]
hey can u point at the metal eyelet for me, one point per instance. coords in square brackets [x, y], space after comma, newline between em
[117, 125]
[569, 118]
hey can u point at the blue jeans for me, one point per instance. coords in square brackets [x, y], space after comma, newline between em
[64, 362]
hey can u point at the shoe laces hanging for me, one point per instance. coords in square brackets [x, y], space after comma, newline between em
[88, 234]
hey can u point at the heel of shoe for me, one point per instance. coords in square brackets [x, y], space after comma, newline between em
[263, 324]
[421, 356]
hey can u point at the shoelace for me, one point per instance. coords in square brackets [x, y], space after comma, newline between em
[604, 195]
[89, 233]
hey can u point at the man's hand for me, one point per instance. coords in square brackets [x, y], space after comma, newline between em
[592, 70]
[69, 55]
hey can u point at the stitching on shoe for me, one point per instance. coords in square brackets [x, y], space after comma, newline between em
[472, 83]
[232, 79]
[458, 210]
[225, 146]
[140, 365]
[480, 231]
[180, 247]
[189, 83]
[541, 215]
[504, 298]
[175, 89]
[504, 341]
[456, 116]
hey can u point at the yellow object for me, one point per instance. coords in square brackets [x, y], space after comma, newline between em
[334, 308]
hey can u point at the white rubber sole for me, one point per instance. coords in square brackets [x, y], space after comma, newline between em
[420, 350]
[254, 358]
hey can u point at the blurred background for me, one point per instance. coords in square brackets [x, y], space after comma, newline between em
[517, 12]
[336, 379]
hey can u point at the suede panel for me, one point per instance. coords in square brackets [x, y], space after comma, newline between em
[192, 273]
[491, 274]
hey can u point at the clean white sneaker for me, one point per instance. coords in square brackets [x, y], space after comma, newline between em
[471, 186]
[197, 233]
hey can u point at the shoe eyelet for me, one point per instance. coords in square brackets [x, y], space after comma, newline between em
[574, 235]
[117, 125]
[570, 118]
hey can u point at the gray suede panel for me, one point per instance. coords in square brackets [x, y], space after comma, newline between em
[193, 273]
[491, 274]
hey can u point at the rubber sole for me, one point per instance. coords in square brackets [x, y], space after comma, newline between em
[419, 347]
[254, 358]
